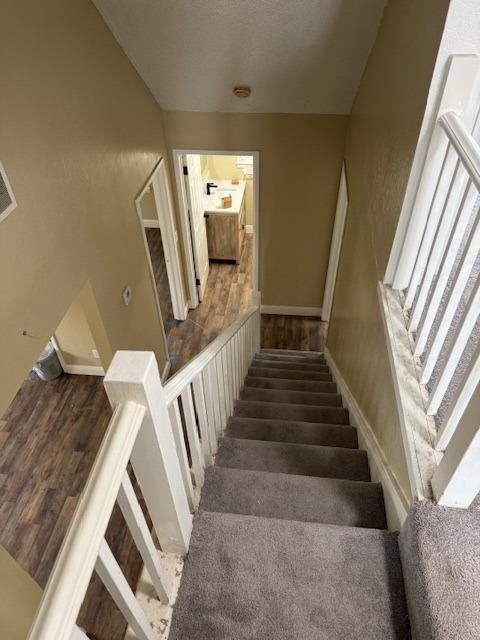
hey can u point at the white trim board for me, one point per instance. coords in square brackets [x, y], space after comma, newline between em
[279, 310]
[335, 245]
[84, 369]
[397, 504]
[150, 224]
[249, 228]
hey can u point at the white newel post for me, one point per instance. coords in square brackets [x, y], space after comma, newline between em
[134, 376]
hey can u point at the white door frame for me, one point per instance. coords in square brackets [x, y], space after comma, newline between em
[184, 217]
[336, 245]
[163, 202]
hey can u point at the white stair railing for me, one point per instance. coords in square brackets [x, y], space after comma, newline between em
[168, 434]
[437, 274]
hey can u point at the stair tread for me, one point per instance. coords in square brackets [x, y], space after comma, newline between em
[299, 459]
[332, 435]
[250, 577]
[286, 396]
[302, 412]
[258, 382]
[294, 497]
[291, 358]
[293, 352]
[257, 370]
[292, 366]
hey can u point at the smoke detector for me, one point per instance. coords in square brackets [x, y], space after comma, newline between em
[242, 92]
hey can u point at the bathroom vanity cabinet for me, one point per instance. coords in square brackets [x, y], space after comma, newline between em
[226, 227]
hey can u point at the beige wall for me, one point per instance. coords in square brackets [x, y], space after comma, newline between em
[79, 136]
[81, 330]
[20, 596]
[300, 160]
[381, 141]
[225, 168]
[148, 206]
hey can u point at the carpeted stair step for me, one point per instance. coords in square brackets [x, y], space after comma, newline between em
[292, 497]
[290, 385]
[290, 359]
[281, 411]
[291, 397]
[299, 459]
[329, 435]
[292, 366]
[293, 352]
[248, 577]
[288, 374]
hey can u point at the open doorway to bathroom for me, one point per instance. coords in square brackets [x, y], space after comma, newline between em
[218, 195]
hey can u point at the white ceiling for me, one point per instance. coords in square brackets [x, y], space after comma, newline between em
[298, 56]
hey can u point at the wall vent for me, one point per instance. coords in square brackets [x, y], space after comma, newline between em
[7, 199]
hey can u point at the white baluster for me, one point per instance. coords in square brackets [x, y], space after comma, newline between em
[211, 402]
[430, 301]
[454, 295]
[112, 577]
[193, 439]
[142, 537]
[459, 402]
[456, 482]
[219, 384]
[177, 429]
[202, 418]
[226, 380]
[133, 375]
[452, 357]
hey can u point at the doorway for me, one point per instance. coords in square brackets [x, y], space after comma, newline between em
[204, 179]
[156, 218]
[220, 244]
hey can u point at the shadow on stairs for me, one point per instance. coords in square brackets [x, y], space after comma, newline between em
[290, 538]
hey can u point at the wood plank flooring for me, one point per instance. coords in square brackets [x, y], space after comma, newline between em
[227, 297]
[303, 333]
[157, 255]
[50, 436]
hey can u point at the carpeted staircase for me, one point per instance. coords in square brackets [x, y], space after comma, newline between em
[290, 538]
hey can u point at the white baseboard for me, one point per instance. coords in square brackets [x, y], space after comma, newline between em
[249, 228]
[84, 369]
[279, 310]
[151, 224]
[397, 503]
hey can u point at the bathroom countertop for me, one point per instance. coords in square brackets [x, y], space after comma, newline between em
[211, 203]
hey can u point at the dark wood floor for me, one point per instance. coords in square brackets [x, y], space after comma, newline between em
[303, 333]
[49, 438]
[227, 297]
[157, 255]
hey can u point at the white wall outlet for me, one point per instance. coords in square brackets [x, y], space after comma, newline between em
[127, 295]
[95, 354]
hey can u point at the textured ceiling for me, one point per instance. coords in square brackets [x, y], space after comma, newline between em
[298, 56]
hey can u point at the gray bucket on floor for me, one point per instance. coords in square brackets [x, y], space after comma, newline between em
[47, 366]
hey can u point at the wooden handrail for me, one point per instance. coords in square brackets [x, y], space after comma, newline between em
[185, 376]
[68, 582]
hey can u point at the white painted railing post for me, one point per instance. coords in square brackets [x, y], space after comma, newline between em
[134, 376]
[456, 482]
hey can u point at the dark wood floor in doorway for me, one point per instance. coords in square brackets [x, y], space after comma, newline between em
[227, 297]
[157, 255]
[49, 438]
[302, 333]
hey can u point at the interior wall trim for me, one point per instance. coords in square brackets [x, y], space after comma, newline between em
[281, 310]
[84, 369]
[397, 503]
[151, 224]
